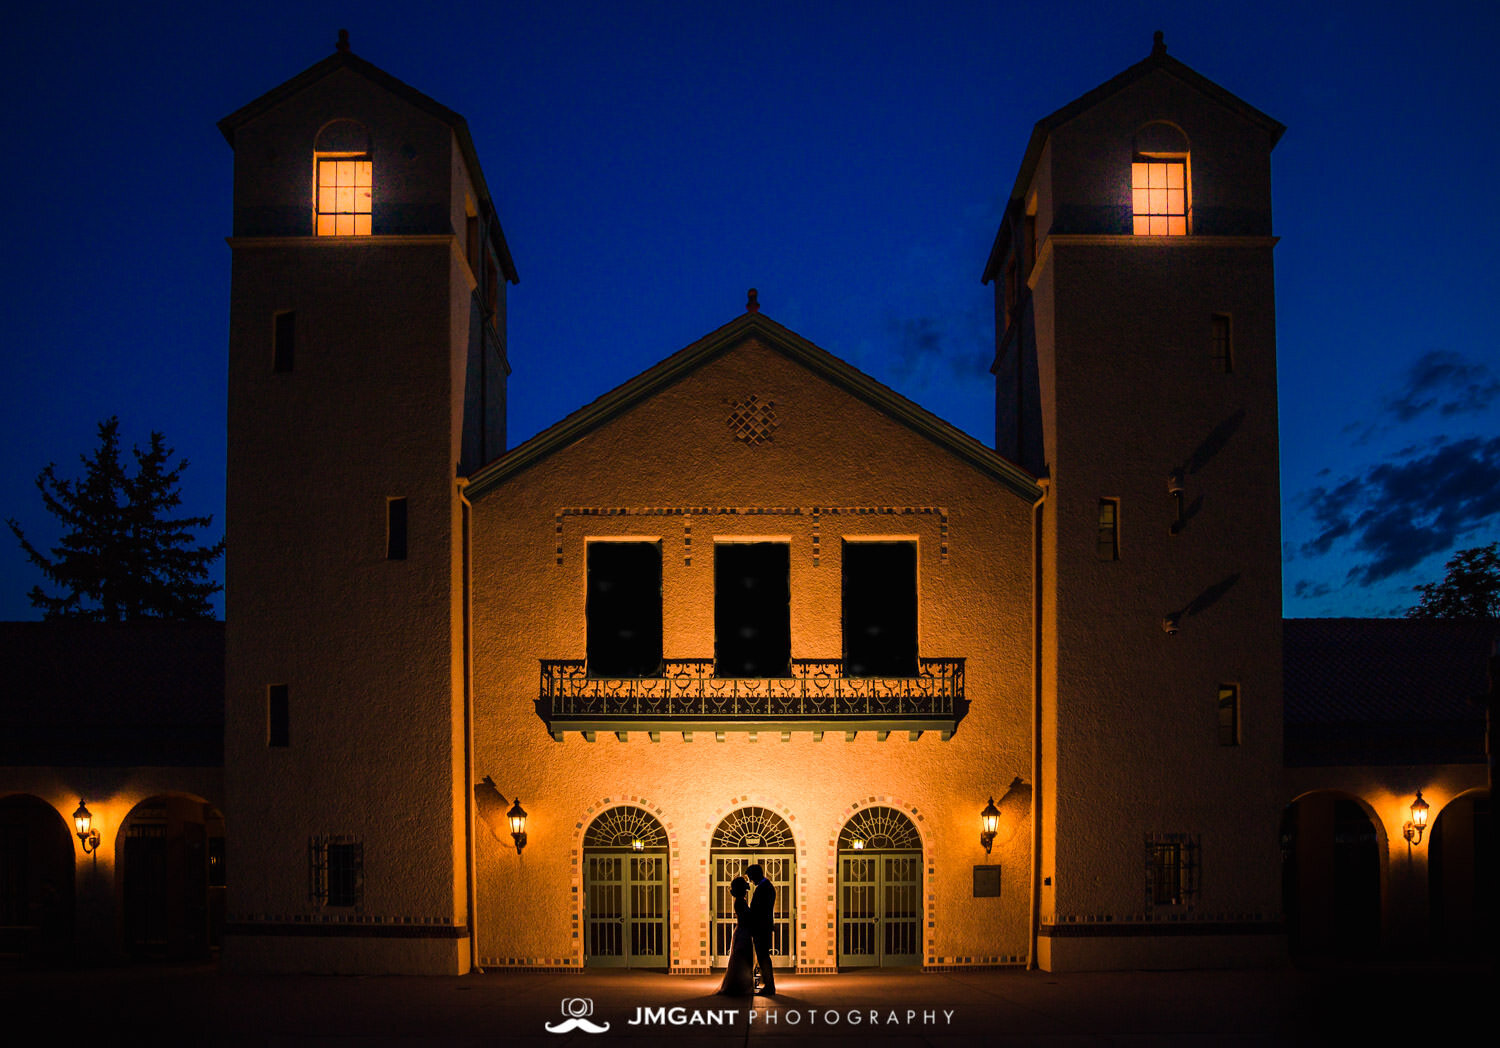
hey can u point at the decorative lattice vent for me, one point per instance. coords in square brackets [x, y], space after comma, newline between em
[752, 421]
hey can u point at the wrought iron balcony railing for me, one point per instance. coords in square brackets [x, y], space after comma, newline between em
[815, 693]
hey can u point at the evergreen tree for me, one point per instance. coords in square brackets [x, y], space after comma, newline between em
[1470, 590]
[122, 556]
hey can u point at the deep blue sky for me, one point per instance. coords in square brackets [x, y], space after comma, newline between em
[851, 160]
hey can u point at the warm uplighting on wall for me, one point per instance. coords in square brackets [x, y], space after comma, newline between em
[1412, 831]
[517, 817]
[989, 825]
[81, 823]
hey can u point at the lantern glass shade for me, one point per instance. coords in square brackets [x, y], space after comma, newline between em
[1419, 811]
[638, 845]
[81, 819]
[859, 844]
[989, 819]
[517, 817]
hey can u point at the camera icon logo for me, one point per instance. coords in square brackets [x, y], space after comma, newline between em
[576, 1012]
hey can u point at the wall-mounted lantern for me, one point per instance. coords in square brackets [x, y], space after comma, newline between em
[636, 844]
[81, 820]
[858, 843]
[1412, 831]
[989, 825]
[517, 817]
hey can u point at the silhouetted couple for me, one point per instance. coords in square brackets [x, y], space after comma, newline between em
[753, 922]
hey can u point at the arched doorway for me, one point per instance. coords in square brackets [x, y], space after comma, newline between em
[880, 890]
[170, 878]
[36, 881]
[1461, 875]
[745, 836]
[1331, 876]
[625, 890]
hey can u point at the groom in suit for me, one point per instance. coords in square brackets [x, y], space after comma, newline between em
[762, 921]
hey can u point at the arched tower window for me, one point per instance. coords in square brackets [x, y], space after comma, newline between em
[343, 180]
[1160, 183]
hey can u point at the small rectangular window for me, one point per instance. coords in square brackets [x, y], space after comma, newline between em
[1229, 715]
[623, 609]
[752, 609]
[880, 609]
[1108, 541]
[1222, 343]
[395, 529]
[1171, 869]
[278, 716]
[284, 341]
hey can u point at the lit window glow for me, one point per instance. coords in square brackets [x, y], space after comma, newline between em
[343, 198]
[1158, 191]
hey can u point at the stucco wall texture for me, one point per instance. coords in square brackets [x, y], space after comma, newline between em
[830, 450]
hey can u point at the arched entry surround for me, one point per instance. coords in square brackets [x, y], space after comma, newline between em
[625, 889]
[674, 915]
[37, 879]
[1299, 878]
[754, 833]
[716, 817]
[170, 877]
[929, 865]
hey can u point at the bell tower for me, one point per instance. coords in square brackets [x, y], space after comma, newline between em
[1136, 372]
[367, 370]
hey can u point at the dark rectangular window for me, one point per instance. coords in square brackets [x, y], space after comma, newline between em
[284, 341]
[752, 609]
[1229, 715]
[623, 609]
[395, 529]
[1108, 542]
[880, 609]
[1221, 343]
[278, 716]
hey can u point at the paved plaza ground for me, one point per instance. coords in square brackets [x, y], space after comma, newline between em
[1337, 1005]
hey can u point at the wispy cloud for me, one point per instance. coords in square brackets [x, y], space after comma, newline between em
[1396, 514]
[1439, 382]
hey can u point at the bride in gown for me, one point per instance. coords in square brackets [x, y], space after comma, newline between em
[739, 975]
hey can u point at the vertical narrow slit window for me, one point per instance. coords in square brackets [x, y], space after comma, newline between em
[1229, 715]
[752, 609]
[1222, 343]
[395, 529]
[623, 609]
[1107, 545]
[1159, 196]
[880, 609]
[278, 716]
[345, 193]
[284, 341]
[1166, 874]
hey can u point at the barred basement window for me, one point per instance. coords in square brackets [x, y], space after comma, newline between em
[278, 716]
[1171, 869]
[336, 870]
[283, 341]
[1229, 715]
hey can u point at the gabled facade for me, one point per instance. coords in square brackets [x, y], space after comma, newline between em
[752, 605]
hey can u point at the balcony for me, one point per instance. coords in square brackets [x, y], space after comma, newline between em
[688, 698]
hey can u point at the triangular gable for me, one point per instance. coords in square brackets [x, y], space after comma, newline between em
[1157, 60]
[345, 59]
[782, 340]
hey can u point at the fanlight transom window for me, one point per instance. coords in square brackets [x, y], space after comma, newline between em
[751, 829]
[881, 829]
[623, 827]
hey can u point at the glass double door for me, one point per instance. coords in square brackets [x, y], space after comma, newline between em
[625, 909]
[779, 871]
[880, 909]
